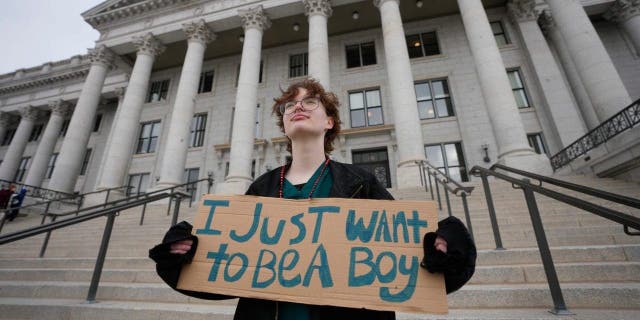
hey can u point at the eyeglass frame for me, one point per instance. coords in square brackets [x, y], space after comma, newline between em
[283, 107]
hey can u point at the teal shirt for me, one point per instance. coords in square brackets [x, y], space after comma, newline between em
[296, 311]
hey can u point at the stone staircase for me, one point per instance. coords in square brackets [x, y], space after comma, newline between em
[597, 264]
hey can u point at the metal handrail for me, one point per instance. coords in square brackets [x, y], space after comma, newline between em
[40, 189]
[625, 119]
[529, 189]
[628, 201]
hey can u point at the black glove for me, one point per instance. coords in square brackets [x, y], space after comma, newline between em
[161, 253]
[458, 264]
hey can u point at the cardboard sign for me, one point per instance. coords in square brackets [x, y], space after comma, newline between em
[342, 252]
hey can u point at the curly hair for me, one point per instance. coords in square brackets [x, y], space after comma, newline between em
[314, 89]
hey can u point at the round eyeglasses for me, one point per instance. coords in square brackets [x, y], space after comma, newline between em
[308, 104]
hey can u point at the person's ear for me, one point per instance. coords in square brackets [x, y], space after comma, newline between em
[330, 123]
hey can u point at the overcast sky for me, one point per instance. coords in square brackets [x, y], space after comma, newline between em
[33, 32]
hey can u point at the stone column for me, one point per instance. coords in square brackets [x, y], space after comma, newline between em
[599, 75]
[404, 104]
[175, 152]
[254, 23]
[513, 148]
[5, 120]
[567, 121]
[318, 12]
[627, 14]
[118, 153]
[579, 92]
[12, 157]
[38, 169]
[75, 141]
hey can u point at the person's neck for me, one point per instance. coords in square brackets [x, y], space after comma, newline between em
[306, 158]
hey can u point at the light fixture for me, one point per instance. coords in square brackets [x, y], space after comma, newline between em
[355, 15]
[296, 26]
[241, 38]
[416, 44]
[419, 3]
[486, 158]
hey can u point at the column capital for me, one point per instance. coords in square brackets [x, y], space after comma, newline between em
[622, 10]
[198, 31]
[546, 22]
[29, 113]
[254, 18]
[379, 3]
[60, 107]
[319, 7]
[101, 55]
[522, 10]
[148, 44]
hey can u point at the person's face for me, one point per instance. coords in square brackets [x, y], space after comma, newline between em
[301, 122]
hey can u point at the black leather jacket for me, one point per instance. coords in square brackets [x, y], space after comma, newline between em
[349, 181]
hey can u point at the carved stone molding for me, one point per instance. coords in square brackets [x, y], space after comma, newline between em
[101, 55]
[148, 44]
[378, 3]
[546, 22]
[623, 10]
[29, 113]
[321, 7]
[198, 31]
[522, 10]
[254, 18]
[120, 91]
[60, 107]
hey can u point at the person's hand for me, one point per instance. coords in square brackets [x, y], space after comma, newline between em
[440, 244]
[181, 247]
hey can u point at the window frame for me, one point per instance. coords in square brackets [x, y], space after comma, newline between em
[161, 98]
[86, 160]
[23, 167]
[518, 72]
[422, 44]
[8, 136]
[201, 82]
[190, 189]
[536, 141]
[433, 99]
[370, 150]
[150, 138]
[462, 161]
[507, 40]
[140, 180]
[36, 132]
[51, 165]
[365, 107]
[198, 130]
[304, 66]
[360, 55]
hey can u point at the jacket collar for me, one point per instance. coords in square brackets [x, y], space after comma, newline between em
[346, 182]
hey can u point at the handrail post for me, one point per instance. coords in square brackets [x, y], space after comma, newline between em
[560, 307]
[438, 192]
[430, 184]
[97, 271]
[209, 182]
[170, 200]
[176, 210]
[492, 212]
[45, 243]
[107, 198]
[446, 196]
[144, 209]
[465, 206]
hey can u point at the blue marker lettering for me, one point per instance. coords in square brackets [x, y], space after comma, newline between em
[321, 211]
[213, 204]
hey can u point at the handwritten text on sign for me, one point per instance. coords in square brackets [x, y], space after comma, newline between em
[344, 252]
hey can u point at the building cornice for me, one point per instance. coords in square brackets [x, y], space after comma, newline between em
[44, 80]
[127, 10]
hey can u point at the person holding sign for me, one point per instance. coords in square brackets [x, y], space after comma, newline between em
[309, 118]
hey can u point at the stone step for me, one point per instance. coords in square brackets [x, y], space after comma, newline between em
[69, 309]
[581, 295]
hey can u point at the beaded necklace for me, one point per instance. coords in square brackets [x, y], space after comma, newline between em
[283, 170]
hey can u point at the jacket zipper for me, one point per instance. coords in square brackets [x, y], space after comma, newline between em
[356, 192]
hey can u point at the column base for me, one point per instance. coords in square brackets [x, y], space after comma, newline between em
[234, 185]
[408, 175]
[528, 161]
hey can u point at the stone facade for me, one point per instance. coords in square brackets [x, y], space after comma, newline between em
[139, 49]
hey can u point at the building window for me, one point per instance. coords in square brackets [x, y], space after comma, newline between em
[257, 129]
[198, 128]
[138, 184]
[260, 74]
[434, 100]
[537, 143]
[366, 108]
[376, 162]
[8, 136]
[499, 34]
[191, 175]
[359, 55]
[36, 132]
[85, 162]
[51, 165]
[148, 139]
[449, 158]
[423, 44]
[22, 169]
[65, 127]
[206, 82]
[517, 86]
[96, 124]
[158, 91]
[298, 65]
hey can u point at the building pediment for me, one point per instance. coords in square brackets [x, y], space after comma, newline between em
[114, 10]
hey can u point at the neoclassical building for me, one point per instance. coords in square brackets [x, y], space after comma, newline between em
[177, 90]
